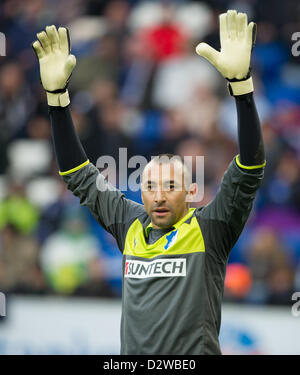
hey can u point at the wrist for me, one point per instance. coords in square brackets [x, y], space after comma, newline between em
[58, 99]
[241, 87]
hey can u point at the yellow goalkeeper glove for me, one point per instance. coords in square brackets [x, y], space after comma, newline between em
[56, 63]
[237, 39]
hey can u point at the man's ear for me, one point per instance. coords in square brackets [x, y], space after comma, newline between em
[193, 190]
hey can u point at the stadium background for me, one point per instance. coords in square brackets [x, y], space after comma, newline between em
[138, 84]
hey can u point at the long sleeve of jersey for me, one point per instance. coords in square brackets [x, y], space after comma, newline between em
[251, 147]
[223, 219]
[68, 149]
[106, 203]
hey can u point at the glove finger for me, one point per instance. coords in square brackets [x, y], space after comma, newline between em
[38, 49]
[208, 52]
[231, 24]
[223, 28]
[64, 40]
[70, 64]
[53, 37]
[242, 23]
[251, 34]
[45, 41]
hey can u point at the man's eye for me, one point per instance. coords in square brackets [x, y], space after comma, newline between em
[170, 187]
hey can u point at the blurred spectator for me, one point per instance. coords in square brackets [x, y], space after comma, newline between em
[167, 39]
[39, 128]
[137, 73]
[101, 64]
[201, 111]
[116, 13]
[70, 258]
[173, 131]
[15, 105]
[52, 214]
[18, 211]
[19, 262]
[284, 185]
[271, 269]
[178, 79]
[238, 282]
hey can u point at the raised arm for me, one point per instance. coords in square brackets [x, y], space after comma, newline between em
[107, 204]
[230, 209]
[56, 65]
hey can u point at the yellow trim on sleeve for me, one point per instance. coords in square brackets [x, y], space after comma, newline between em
[74, 169]
[237, 159]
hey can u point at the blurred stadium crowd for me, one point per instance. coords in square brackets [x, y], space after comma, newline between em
[138, 84]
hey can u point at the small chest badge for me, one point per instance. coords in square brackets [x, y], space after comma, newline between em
[171, 239]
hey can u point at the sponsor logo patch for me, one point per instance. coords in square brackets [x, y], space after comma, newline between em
[157, 268]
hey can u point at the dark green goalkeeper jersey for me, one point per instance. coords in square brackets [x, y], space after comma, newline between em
[173, 279]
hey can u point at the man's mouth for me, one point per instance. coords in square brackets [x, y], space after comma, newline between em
[162, 211]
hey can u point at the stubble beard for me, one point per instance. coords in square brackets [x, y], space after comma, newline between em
[164, 223]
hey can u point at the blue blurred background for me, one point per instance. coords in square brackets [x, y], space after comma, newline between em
[139, 84]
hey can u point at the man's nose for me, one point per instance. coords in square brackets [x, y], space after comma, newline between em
[159, 196]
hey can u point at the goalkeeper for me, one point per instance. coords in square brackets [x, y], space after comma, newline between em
[174, 256]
